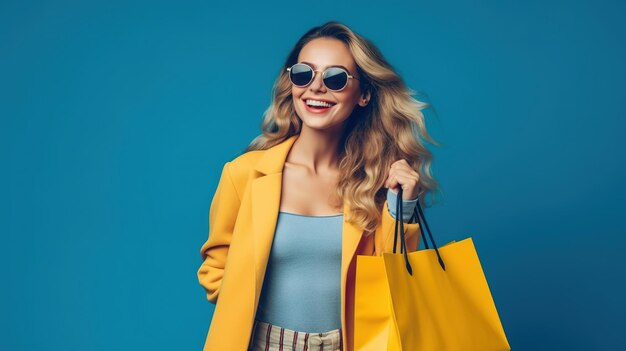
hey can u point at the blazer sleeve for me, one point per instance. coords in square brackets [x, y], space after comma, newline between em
[383, 241]
[222, 218]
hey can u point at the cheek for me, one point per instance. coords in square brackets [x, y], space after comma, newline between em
[296, 96]
[347, 98]
[347, 103]
[297, 92]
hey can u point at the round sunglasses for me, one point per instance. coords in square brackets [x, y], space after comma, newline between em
[334, 78]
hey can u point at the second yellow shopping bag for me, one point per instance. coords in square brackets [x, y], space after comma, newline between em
[435, 299]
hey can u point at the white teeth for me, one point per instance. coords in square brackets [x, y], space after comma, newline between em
[318, 103]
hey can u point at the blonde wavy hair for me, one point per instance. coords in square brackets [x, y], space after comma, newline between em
[390, 127]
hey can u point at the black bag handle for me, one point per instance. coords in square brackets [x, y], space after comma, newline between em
[417, 213]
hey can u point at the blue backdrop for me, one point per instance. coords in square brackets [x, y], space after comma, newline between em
[118, 116]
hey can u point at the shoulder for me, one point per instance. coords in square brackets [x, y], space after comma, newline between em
[242, 167]
[239, 168]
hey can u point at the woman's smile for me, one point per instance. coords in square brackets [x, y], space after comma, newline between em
[318, 106]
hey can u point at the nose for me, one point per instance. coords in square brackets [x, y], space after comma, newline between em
[317, 84]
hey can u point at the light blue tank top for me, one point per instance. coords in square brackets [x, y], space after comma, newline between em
[302, 286]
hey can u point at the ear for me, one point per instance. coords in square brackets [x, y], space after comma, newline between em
[365, 98]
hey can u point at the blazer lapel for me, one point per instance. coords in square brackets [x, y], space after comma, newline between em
[265, 197]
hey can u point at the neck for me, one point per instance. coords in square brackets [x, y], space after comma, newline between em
[317, 150]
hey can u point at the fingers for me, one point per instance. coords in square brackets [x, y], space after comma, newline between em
[400, 172]
[402, 179]
[402, 175]
[404, 172]
[402, 165]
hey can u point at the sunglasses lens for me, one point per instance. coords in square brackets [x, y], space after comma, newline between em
[335, 78]
[300, 74]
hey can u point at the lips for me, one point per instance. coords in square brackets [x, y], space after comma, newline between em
[328, 101]
[317, 110]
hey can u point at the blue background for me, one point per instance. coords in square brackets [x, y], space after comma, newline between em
[118, 116]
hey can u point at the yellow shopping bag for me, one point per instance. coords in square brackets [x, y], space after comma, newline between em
[427, 300]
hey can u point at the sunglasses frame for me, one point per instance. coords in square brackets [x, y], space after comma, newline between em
[313, 76]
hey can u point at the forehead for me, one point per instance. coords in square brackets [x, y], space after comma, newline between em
[325, 52]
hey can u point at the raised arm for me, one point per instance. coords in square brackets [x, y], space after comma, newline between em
[222, 217]
[384, 239]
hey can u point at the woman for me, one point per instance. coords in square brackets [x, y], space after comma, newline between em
[317, 188]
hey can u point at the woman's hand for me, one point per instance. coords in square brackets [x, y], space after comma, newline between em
[401, 174]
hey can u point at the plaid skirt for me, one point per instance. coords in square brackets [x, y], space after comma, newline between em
[270, 337]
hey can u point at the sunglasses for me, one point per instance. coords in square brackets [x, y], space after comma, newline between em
[334, 78]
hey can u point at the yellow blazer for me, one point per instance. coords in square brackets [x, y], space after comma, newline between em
[242, 220]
